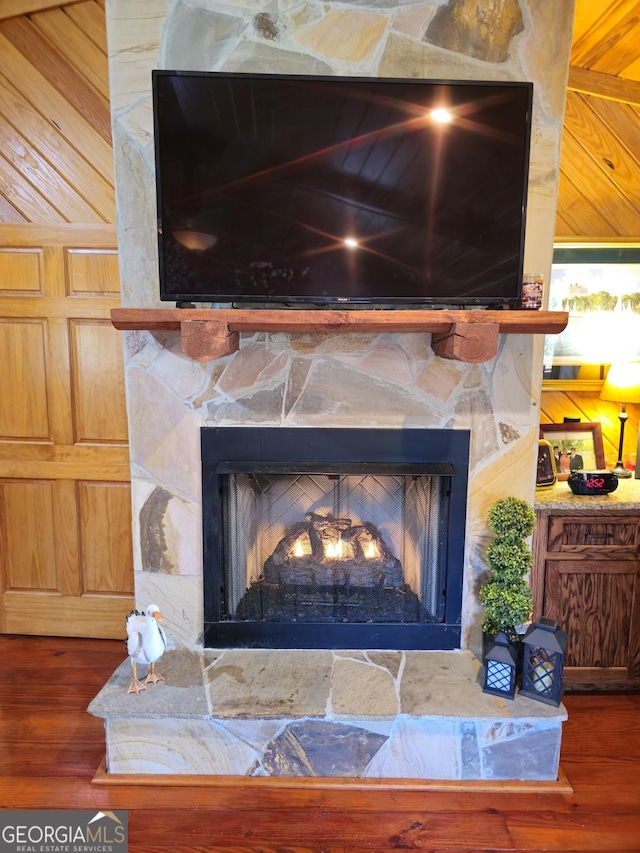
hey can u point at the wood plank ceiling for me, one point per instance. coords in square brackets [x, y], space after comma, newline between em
[599, 193]
[56, 157]
[55, 131]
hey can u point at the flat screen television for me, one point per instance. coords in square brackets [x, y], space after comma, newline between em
[330, 191]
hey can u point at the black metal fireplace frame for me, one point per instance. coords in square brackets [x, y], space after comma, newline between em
[229, 450]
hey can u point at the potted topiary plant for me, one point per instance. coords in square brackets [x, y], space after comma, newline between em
[505, 593]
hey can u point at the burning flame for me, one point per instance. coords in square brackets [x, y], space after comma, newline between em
[334, 551]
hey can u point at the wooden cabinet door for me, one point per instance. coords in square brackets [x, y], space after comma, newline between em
[598, 603]
[65, 512]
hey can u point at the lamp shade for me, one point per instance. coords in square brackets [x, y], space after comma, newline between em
[622, 384]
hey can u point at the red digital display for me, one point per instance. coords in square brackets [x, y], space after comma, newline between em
[594, 482]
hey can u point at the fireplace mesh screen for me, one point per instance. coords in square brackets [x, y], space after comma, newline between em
[331, 547]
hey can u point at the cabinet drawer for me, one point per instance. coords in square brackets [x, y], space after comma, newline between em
[609, 535]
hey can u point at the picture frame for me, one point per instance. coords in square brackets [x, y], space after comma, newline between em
[599, 285]
[580, 446]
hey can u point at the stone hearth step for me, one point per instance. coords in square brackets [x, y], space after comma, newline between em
[333, 714]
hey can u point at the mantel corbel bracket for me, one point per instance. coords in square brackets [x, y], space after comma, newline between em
[469, 342]
[206, 340]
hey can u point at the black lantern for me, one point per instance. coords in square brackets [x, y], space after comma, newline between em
[500, 667]
[544, 646]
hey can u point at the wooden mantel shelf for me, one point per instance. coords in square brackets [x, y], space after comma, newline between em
[466, 335]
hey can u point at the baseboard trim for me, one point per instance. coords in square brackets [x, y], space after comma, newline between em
[161, 780]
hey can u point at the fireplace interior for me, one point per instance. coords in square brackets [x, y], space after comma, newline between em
[333, 538]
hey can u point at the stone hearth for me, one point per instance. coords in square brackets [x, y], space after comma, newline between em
[355, 714]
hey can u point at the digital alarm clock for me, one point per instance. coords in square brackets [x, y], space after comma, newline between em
[592, 482]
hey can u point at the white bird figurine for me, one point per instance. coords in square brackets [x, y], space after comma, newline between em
[146, 642]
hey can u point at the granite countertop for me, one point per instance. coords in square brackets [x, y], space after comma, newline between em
[560, 496]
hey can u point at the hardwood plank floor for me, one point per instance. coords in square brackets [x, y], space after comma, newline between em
[50, 749]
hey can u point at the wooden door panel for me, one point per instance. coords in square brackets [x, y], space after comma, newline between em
[24, 400]
[67, 566]
[593, 602]
[99, 400]
[20, 271]
[93, 272]
[28, 535]
[106, 559]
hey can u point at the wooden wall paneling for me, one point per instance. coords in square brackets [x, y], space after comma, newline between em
[64, 180]
[8, 213]
[48, 61]
[598, 187]
[604, 85]
[587, 118]
[107, 565]
[588, 14]
[84, 55]
[610, 420]
[577, 214]
[15, 8]
[579, 157]
[594, 33]
[90, 18]
[28, 203]
[562, 225]
[35, 170]
[73, 126]
[619, 46]
[622, 121]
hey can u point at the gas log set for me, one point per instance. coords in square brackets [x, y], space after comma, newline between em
[327, 568]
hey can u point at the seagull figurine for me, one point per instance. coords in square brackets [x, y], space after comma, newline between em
[146, 642]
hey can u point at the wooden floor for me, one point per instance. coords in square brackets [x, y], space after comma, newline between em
[50, 749]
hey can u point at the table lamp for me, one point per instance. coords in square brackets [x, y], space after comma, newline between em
[622, 385]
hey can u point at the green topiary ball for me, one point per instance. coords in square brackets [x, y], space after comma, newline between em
[512, 518]
[505, 609]
[509, 557]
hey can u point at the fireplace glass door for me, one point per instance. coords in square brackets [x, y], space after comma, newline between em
[351, 553]
[327, 547]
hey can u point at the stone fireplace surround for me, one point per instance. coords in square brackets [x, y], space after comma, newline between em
[259, 707]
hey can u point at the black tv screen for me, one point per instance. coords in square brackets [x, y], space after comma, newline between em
[347, 191]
